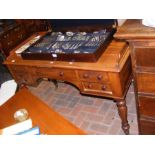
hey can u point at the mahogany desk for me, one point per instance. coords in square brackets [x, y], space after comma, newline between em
[49, 121]
[109, 77]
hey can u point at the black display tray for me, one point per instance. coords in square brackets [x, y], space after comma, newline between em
[73, 46]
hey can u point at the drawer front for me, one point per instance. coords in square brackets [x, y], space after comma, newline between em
[7, 40]
[23, 70]
[147, 127]
[6, 36]
[13, 37]
[92, 76]
[145, 57]
[19, 33]
[23, 74]
[17, 29]
[146, 82]
[97, 87]
[60, 74]
[16, 69]
[147, 106]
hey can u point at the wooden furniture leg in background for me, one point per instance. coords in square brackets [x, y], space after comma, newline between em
[122, 110]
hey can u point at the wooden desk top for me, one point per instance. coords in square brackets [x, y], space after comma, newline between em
[134, 29]
[49, 121]
[112, 58]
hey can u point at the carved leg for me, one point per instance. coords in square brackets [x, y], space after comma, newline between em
[122, 110]
[55, 83]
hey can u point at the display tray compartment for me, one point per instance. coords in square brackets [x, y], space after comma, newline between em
[74, 46]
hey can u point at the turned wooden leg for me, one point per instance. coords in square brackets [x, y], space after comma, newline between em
[122, 110]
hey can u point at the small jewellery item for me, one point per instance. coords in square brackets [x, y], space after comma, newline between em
[69, 34]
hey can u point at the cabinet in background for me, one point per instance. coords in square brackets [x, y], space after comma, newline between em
[142, 49]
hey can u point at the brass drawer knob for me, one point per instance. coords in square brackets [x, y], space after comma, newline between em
[85, 76]
[20, 36]
[99, 77]
[10, 42]
[61, 74]
[6, 36]
[103, 87]
[90, 85]
[16, 29]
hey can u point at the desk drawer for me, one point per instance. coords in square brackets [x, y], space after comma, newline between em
[60, 74]
[7, 40]
[93, 76]
[145, 57]
[146, 82]
[23, 70]
[147, 127]
[13, 37]
[19, 33]
[97, 87]
[147, 106]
